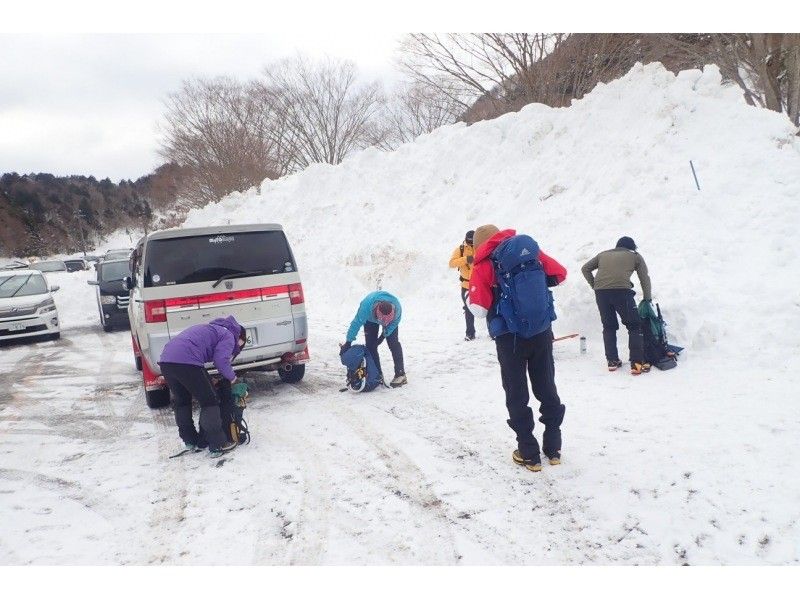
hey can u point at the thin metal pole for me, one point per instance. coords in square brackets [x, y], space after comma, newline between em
[695, 175]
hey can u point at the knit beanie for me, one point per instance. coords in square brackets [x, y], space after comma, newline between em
[627, 243]
[483, 234]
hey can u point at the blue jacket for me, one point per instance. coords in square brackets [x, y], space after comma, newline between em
[364, 314]
[216, 341]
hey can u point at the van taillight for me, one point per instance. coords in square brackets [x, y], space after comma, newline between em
[296, 293]
[155, 311]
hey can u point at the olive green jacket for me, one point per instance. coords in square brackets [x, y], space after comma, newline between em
[614, 270]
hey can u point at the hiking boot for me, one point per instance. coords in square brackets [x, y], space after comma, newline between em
[614, 364]
[529, 464]
[399, 380]
[555, 458]
[639, 368]
[192, 448]
[469, 338]
[225, 448]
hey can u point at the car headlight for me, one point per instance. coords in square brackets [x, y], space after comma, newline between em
[108, 299]
[46, 306]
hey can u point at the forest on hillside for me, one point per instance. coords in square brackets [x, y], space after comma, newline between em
[42, 214]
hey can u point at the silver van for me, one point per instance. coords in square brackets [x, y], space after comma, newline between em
[183, 277]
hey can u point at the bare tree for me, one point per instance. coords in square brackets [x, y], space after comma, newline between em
[325, 112]
[492, 73]
[469, 65]
[416, 109]
[766, 66]
[218, 131]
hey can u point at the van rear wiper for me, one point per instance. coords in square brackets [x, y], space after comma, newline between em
[238, 275]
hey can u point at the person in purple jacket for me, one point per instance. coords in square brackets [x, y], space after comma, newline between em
[182, 365]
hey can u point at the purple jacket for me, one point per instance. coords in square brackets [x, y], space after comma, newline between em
[197, 345]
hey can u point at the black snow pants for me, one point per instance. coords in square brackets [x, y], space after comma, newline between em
[520, 359]
[186, 381]
[611, 302]
[393, 340]
[468, 314]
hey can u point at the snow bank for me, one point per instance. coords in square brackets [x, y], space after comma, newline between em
[616, 163]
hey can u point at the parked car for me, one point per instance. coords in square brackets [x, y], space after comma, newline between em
[13, 264]
[49, 266]
[76, 264]
[117, 254]
[112, 296]
[190, 276]
[27, 308]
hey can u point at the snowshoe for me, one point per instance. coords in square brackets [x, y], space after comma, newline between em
[225, 448]
[190, 448]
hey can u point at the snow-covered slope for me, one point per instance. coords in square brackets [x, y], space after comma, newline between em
[722, 259]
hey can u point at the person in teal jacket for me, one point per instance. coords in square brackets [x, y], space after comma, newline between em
[375, 310]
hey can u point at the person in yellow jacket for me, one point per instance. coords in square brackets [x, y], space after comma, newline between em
[462, 259]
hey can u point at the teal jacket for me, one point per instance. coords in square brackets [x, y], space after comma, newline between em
[364, 314]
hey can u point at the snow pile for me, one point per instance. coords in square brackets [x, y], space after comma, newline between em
[615, 163]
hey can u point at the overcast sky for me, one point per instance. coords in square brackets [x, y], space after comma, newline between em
[90, 103]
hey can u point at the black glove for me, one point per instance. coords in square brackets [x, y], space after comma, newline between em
[469, 260]
[380, 339]
[343, 348]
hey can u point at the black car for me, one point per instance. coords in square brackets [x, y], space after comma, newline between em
[75, 265]
[112, 297]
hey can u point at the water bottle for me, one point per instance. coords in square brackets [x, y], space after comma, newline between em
[583, 345]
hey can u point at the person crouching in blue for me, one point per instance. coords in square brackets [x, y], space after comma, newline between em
[375, 310]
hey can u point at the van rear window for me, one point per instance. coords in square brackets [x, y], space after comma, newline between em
[204, 258]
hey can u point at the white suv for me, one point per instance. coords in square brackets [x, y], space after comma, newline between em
[183, 277]
[27, 308]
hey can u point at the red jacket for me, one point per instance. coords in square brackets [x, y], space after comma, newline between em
[482, 280]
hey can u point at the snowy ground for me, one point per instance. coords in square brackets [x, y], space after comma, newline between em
[416, 475]
[697, 465]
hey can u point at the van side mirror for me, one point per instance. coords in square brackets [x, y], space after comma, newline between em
[127, 283]
[54, 288]
[92, 282]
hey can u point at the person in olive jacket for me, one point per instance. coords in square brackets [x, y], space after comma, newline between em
[614, 293]
[462, 258]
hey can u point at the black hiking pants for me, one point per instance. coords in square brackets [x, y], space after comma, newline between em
[186, 381]
[468, 314]
[611, 302]
[520, 359]
[393, 340]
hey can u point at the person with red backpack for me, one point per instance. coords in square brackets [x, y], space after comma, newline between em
[509, 287]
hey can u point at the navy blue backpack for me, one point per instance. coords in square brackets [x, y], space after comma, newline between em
[362, 373]
[525, 304]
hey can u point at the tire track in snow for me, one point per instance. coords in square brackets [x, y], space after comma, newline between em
[305, 539]
[404, 478]
[101, 505]
[168, 507]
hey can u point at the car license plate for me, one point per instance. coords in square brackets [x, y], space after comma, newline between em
[252, 338]
[17, 327]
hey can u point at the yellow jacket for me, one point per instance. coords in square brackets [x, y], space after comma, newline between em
[459, 260]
